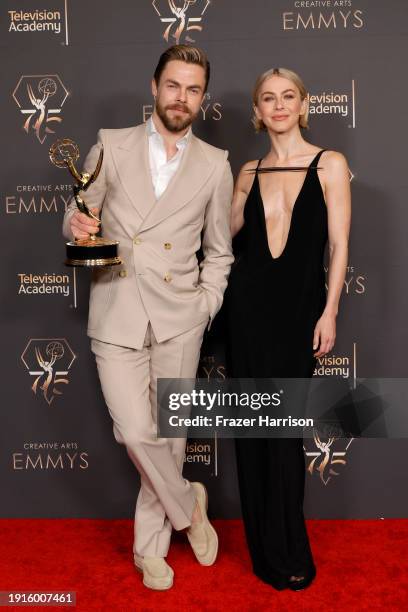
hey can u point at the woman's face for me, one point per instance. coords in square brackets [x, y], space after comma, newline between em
[279, 104]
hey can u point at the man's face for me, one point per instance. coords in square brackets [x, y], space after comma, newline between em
[179, 94]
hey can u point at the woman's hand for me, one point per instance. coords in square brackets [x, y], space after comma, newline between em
[324, 335]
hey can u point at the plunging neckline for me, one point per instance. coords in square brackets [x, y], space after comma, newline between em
[293, 207]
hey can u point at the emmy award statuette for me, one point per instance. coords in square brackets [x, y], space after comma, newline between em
[93, 251]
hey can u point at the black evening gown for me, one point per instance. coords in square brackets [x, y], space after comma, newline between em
[272, 307]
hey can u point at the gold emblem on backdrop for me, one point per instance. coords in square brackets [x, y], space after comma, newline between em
[48, 361]
[179, 25]
[326, 455]
[40, 99]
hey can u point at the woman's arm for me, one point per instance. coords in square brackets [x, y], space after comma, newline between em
[336, 180]
[243, 185]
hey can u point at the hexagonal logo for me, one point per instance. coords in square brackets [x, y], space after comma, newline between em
[40, 98]
[173, 15]
[48, 361]
[325, 455]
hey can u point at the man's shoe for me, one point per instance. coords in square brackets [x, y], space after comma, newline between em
[202, 536]
[157, 574]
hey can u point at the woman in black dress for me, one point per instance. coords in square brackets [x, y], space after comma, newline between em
[280, 320]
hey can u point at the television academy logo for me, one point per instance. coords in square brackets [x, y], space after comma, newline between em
[35, 20]
[34, 95]
[335, 103]
[43, 284]
[342, 365]
[41, 357]
[173, 15]
[197, 452]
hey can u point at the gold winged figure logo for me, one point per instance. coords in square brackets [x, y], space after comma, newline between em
[326, 457]
[173, 14]
[48, 361]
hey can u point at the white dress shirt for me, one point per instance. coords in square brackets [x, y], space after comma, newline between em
[161, 169]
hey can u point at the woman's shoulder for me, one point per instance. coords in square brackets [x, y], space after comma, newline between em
[246, 175]
[333, 159]
[334, 168]
[247, 171]
[249, 165]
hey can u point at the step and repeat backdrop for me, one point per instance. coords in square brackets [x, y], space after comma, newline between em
[71, 67]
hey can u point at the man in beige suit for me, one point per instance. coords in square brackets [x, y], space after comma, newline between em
[163, 193]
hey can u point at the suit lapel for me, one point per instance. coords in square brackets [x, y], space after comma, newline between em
[192, 174]
[132, 163]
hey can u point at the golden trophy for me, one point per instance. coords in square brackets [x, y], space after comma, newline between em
[93, 251]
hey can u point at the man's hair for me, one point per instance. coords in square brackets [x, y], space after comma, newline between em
[183, 53]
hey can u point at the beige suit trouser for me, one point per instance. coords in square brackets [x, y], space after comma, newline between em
[129, 384]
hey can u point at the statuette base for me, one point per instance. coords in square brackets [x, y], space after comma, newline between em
[92, 253]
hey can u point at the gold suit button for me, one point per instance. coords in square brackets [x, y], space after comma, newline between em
[167, 246]
[137, 240]
[123, 274]
[167, 277]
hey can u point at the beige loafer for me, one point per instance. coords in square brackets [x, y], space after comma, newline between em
[202, 536]
[157, 574]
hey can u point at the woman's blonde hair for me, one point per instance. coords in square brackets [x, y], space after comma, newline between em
[286, 74]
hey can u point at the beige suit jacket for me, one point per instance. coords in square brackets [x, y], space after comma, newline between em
[160, 280]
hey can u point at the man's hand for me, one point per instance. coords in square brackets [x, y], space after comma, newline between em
[82, 225]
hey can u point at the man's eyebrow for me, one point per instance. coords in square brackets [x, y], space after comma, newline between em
[173, 82]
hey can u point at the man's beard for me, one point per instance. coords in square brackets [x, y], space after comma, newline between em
[176, 124]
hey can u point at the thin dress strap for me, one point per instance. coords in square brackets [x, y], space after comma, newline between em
[316, 159]
[311, 166]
